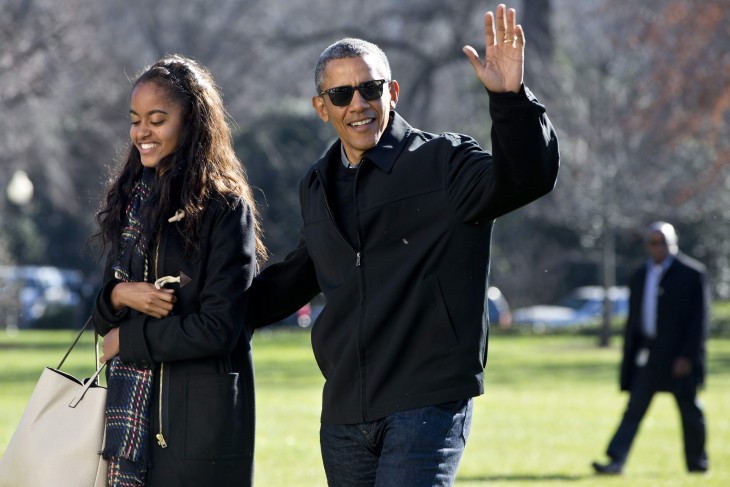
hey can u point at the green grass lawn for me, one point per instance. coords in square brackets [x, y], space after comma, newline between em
[550, 407]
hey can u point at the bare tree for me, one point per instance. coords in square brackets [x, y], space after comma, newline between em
[42, 44]
[638, 134]
[643, 126]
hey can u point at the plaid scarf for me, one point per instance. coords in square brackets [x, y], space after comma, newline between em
[129, 388]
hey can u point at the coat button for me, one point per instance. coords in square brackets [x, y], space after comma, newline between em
[144, 364]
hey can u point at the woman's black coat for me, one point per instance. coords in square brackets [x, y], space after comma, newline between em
[203, 400]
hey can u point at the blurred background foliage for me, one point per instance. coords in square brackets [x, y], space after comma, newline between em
[639, 94]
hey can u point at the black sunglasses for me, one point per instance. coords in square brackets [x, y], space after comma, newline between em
[341, 96]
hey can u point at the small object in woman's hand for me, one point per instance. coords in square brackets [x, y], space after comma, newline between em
[183, 279]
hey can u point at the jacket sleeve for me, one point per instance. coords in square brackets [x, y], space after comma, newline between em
[628, 358]
[103, 315]
[215, 328]
[523, 167]
[282, 288]
[632, 332]
[696, 329]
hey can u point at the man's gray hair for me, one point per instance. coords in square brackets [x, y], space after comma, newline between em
[670, 235]
[350, 48]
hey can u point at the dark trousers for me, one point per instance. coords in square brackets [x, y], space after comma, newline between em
[693, 422]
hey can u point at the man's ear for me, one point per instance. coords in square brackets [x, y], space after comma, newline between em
[394, 91]
[320, 108]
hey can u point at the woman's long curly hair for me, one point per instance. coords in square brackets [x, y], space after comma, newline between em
[202, 165]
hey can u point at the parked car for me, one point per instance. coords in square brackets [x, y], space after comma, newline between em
[40, 297]
[305, 316]
[583, 306]
[498, 308]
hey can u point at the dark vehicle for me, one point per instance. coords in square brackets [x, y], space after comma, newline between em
[40, 297]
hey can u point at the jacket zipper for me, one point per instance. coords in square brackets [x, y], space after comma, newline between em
[332, 217]
[361, 325]
[358, 263]
[160, 437]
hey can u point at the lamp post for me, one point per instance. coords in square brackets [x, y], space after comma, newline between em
[20, 188]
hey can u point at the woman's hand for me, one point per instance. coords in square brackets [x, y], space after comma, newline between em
[110, 345]
[143, 297]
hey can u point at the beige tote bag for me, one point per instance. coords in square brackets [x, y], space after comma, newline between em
[60, 435]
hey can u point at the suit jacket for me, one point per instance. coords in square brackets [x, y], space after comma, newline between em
[683, 306]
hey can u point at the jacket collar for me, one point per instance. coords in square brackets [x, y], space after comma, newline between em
[665, 264]
[391, 143]
[383, 155]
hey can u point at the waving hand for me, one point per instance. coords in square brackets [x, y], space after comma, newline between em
[503, 65]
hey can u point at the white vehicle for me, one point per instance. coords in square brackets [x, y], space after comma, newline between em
[583, 306]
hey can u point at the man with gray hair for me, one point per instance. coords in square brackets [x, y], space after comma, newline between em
[664, 346]
[396, 235]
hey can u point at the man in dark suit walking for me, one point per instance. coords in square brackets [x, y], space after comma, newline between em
[664, 346]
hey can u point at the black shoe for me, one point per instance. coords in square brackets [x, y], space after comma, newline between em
[697, 469]
[612, 468]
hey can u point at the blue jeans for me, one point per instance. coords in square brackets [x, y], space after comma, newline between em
[419, 448]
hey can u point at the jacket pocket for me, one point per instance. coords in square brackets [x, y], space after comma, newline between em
[217, 424]
[443, 330]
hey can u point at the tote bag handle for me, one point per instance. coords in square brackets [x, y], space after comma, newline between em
[96, 350]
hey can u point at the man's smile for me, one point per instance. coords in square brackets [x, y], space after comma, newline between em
[361, 123]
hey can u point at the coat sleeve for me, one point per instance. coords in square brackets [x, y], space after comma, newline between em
[632, 332]
[696, 329]
[214, 329]
[282, 288]
[103, 315]
[523, 167]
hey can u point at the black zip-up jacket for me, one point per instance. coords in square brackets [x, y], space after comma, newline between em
[405, 323]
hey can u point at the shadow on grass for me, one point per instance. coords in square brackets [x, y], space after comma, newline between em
[718, 363]
[547, 477]
[31, 376]
[583, 372]
[33, 346]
